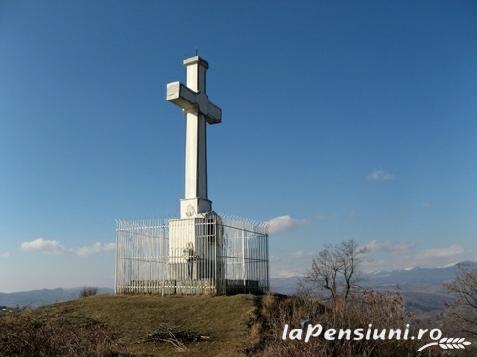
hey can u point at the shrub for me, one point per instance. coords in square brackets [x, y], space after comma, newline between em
[22, 334]
[382, 309]
[88, 291]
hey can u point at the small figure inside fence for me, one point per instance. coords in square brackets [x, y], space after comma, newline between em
[190, 257]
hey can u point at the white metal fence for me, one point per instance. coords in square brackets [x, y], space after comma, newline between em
[209, 255]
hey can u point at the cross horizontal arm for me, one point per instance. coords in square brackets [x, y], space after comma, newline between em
[214, 114]
[182, 96]
[191, 101]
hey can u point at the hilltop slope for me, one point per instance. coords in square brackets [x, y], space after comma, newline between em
[128, 320]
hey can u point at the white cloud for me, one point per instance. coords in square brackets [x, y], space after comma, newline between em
[284, 223]
[95, 248]
[382, 255]
[290, 264]
[380, 175]
[427, 204]
[385, 255]
[300, 254]
[450, 251]
[5, 255]
[43, 246]
[388, 246]
[279, 272]
[54, 247]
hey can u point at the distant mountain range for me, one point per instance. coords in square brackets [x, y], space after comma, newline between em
[35, 298]
[423, 289]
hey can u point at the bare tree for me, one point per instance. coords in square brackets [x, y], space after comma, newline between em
[465, 308]
[335, 269]
[350, 255]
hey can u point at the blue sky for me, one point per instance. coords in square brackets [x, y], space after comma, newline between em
[344, 119]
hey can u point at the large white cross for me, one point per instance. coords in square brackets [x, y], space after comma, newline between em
[192, 98]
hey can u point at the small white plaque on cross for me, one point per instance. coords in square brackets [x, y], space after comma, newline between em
[193, 100]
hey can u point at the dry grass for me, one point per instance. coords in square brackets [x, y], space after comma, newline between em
[175, 335]
[383, 310]
[124, 323]
[200, 326]
[29, 334]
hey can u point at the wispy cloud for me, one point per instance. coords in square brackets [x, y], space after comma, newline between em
[323, 217]
[387, 246]
[95, 248]
[385, 255]
[450, 251]
[280, 272]
[43, 246]
[380, 175]
[301, 254]
[4, 254]
[294, 263]
[284, 223]
[382, 255]
[46, 246]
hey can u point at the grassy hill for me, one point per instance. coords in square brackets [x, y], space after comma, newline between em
[122, 324]
[240, 325]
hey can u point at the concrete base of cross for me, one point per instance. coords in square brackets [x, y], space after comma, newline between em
[193, 207]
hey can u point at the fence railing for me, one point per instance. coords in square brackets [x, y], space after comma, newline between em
[204, 255]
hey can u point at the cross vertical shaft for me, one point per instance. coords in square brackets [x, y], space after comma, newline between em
[196, 136]
[196, 157]
[193, 99]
